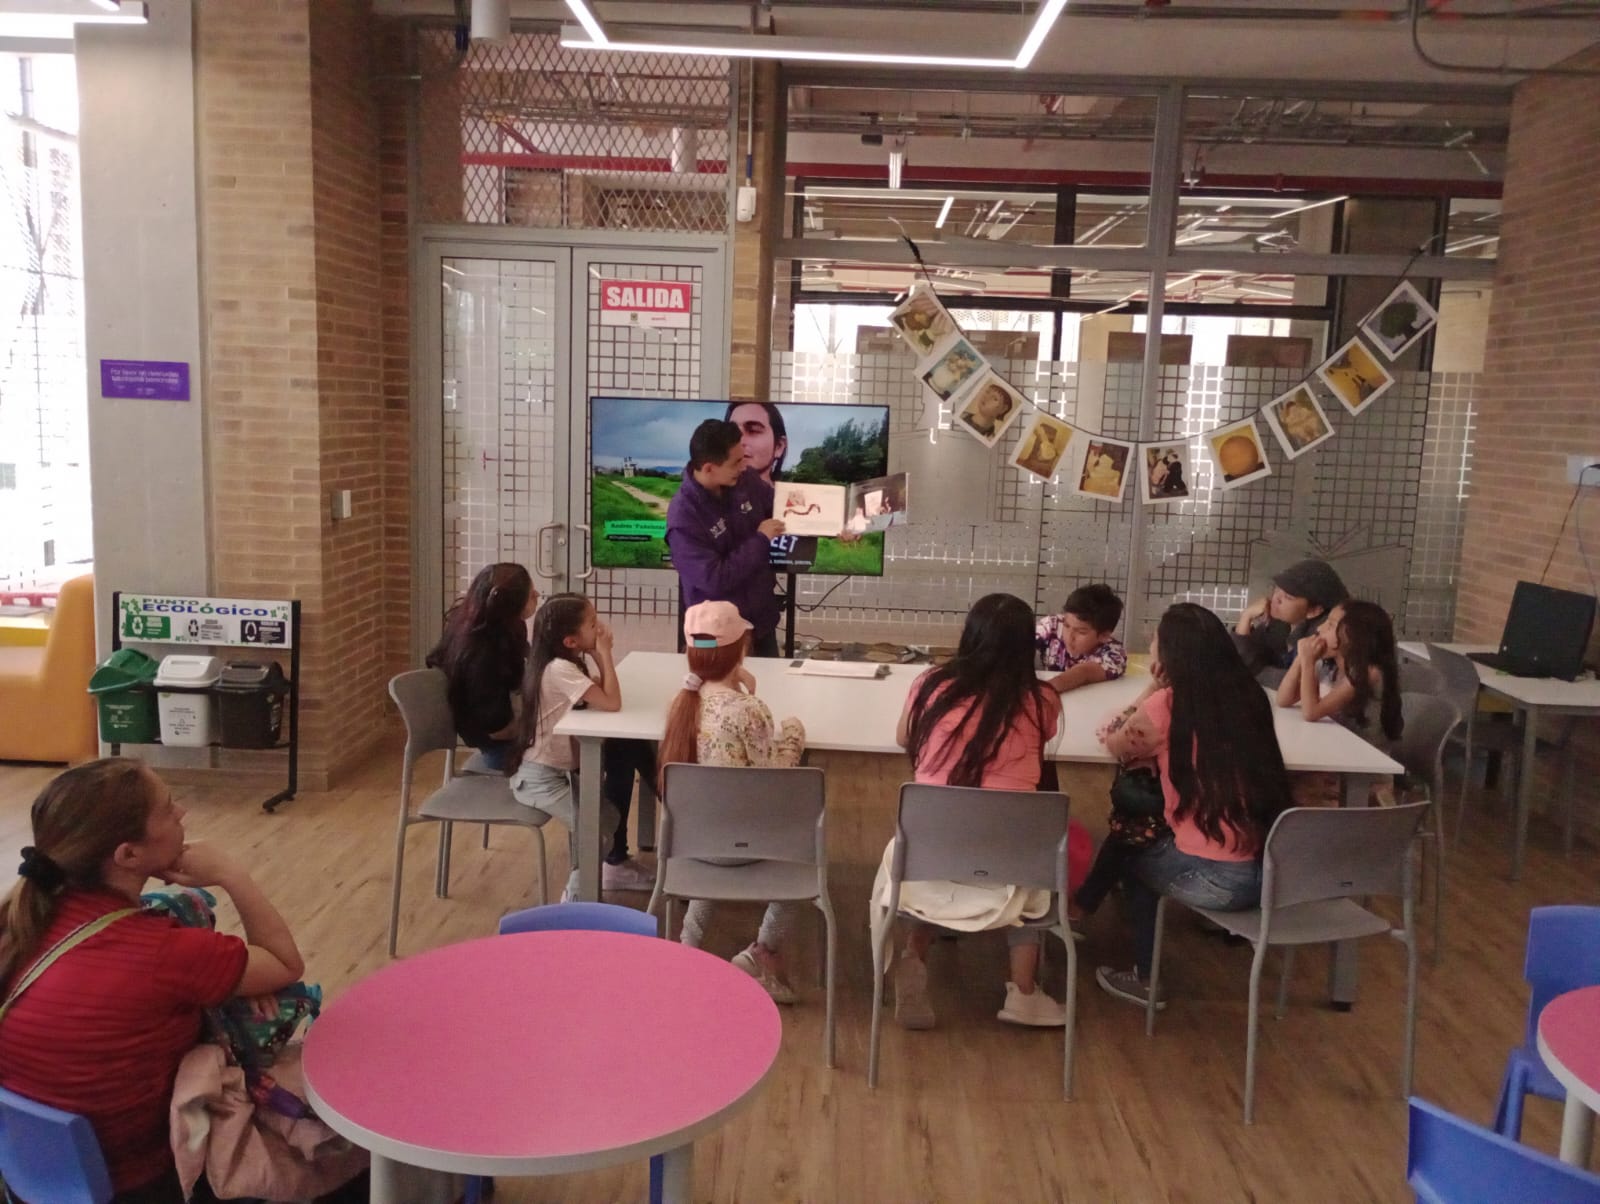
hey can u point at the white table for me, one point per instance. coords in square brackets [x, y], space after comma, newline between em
[855, 715]
[1530, 697]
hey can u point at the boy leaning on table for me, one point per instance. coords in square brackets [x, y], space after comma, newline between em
[1079, 644]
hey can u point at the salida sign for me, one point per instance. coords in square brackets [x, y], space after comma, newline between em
[653, 304]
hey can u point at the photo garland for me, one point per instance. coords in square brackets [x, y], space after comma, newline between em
[985, 405]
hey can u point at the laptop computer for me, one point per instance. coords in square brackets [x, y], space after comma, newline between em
[1546, 633]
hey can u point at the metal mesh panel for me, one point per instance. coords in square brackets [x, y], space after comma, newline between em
[633, 361]
[526, 133]
[499, 412]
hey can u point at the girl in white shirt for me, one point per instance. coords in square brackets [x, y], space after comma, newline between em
[566, 633]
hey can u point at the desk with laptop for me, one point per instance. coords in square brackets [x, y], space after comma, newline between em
[1538, 670]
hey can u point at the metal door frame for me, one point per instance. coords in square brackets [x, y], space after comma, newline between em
[432, 245]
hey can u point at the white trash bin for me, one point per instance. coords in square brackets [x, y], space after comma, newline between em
[184, 699]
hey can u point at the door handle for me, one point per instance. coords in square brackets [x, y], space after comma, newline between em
[539, 567]
[588, 545]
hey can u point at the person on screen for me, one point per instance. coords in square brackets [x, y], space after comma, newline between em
[765, 438]
[720, 528]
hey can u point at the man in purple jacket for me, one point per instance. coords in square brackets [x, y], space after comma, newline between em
[720, 530]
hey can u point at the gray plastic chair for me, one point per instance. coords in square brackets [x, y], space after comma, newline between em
[772, 823]
[1461, 684]
[982, 838]
[1316, 862]
[467, 798]
[1429, 721]
[1419, 678]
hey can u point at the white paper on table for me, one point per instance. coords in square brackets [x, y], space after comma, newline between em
[810, 668]
[806, 509]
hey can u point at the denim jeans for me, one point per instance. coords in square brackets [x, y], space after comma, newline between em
[1161, 870]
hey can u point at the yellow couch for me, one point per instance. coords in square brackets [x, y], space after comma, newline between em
[46, 713]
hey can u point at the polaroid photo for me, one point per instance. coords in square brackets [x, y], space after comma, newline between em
[1044, 446]
[1403, 318]
[922, 321]
[1297, 420]
[988, 408]
[1355, 376]
[1164, 474]
[1107, 465]
[1239, 454]
[952, 367]
[878, 504]
[806, 509]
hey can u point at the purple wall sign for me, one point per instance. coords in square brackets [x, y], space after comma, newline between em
[157, 380]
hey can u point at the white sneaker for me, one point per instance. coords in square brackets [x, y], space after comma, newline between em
[626, 875]
[912, 1008]
[774, 986]
[1038, 1010]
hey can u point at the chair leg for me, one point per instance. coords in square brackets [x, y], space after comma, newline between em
[882, 927]
[1155, 968]
[1283, 983]
[1252, 1030]
[544, 867]
[1568, 779]
[1409, 1053]
[441, 886]
[394, 901]
[1438, 887]
[1466, 776]
[829, 1058]
[1508, 1109]
[1070, 1035]
[658, 1176]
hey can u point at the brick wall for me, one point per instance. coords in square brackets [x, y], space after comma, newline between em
[303, 220]
[1541, 394]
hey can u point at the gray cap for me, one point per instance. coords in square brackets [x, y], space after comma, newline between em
[1313, 580]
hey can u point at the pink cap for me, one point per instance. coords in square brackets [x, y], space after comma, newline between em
[714, 625]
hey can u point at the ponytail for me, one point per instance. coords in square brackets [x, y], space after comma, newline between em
[682, 738]
[79, 820]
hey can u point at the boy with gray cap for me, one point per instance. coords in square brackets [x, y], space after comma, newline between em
[1269, 628]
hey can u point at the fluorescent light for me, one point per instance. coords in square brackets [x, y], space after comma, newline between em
[795, 49]
[1333, 200]
[1036, 36]
[897, 163]
[944, 212]
[587, 19]
[109, 5]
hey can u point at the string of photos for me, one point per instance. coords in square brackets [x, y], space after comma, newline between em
[985, 405]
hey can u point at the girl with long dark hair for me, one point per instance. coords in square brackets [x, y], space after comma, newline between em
[984, 720]
[482, 651]
[1208, 724]
[102, 1029]
[567, 635]
[1348, 670]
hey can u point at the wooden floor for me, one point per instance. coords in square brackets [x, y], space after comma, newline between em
[971, 1111]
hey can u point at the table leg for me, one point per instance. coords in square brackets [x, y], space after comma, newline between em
[1525, 776]
[677, 1179]
[586, 840]
[1342, 964]
[400, 1183]
[1577, 1132]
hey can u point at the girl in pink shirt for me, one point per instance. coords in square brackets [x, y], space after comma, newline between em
[1208, 724]
[982, 720]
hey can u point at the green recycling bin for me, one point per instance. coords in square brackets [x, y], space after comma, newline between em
[121, 686]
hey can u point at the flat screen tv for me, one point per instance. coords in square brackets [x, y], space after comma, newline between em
[638, 448]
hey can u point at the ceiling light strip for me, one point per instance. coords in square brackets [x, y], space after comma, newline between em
[1036, 36]
[944, 212]
[590, 22]
[773, 48]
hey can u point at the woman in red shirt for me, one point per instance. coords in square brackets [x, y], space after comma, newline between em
[1208, 724]
[102, 1030]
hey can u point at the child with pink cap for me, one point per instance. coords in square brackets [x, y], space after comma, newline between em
[716, 719]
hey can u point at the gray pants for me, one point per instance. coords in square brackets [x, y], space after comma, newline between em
[778, 925]
[555, 792]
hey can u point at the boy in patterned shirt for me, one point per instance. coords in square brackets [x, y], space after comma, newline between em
[1078, 643]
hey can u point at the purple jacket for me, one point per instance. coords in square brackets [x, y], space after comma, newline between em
[719, 554]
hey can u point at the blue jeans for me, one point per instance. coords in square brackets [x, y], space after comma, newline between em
[1197, 881]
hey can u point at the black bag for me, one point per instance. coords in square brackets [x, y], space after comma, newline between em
[1138, 807]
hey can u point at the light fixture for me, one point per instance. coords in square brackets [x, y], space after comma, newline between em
[587, 19]
[897, 163]
[944, 212]
[491, 20]
[1333, 200]
[808, 50]
[59, 21]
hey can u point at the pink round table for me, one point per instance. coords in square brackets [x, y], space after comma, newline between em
[1569, 1043]
[538, 1054]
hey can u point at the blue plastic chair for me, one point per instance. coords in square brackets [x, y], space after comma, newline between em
[50, 1155]
[1563, 955]
[579, 917]
[1453, 1161]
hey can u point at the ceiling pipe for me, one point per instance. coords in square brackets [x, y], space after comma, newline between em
[1415, 14]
